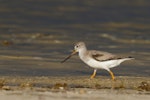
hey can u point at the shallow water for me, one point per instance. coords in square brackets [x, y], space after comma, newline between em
[36, 35]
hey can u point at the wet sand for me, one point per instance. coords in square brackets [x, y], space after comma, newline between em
[74, 87]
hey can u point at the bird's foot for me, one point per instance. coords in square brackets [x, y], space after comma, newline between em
[114, 79]
[92, 76]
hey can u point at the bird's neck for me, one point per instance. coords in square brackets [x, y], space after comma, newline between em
[83, 52]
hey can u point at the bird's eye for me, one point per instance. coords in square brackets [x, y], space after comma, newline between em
[77, 46]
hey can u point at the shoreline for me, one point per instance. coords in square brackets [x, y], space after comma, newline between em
[72, 81]
[80, 87]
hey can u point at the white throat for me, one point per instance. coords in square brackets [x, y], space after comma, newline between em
[82, 52]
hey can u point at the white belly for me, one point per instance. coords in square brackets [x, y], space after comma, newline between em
[104, 64]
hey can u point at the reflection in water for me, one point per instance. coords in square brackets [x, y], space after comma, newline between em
[36, 35]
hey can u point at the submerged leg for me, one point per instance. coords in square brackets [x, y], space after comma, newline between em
[94, 73]
[112, 75]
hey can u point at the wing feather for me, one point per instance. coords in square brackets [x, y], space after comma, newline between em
[101, 55]
[105, 56]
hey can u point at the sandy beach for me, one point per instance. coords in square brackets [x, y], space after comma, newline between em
[71, 88]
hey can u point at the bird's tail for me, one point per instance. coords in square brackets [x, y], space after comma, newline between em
[129, 58]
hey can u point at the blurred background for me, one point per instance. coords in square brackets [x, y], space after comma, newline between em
[35, 35]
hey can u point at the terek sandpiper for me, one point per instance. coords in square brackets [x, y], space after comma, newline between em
[97, 59]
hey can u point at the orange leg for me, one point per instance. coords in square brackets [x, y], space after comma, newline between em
[94, 73]
[112, 75]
